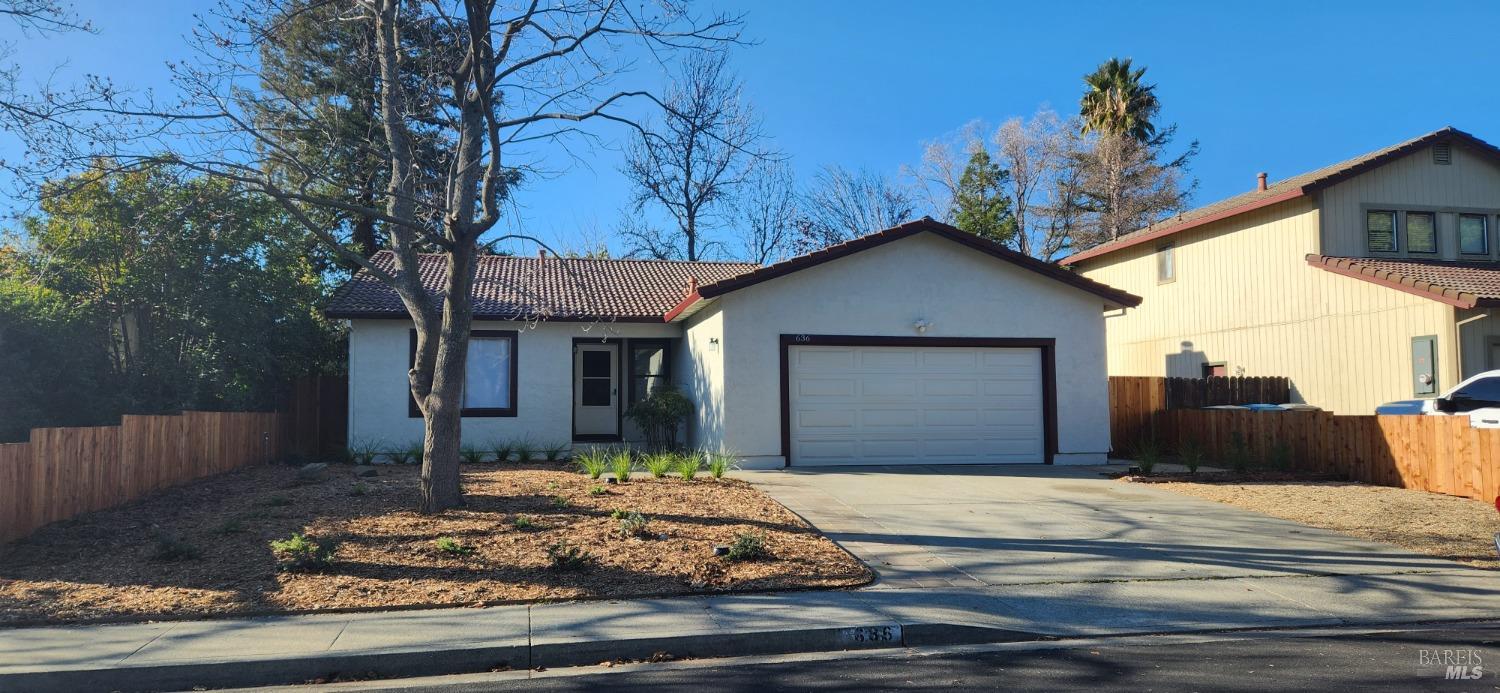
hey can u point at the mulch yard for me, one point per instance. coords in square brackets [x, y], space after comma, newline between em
[1459, 529]
[203, 549]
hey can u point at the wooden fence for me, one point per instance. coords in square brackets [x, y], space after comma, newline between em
[1135, 401]
[1440, 454]
[63, 472]
[317, 416]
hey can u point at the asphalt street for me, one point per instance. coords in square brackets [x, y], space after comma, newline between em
[1405, 660]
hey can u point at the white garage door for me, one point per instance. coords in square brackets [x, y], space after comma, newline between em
[915, 405]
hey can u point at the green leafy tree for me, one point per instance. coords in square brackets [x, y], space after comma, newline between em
[980, 203]
[175, 294]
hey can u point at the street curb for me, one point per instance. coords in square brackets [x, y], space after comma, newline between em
[477, 658]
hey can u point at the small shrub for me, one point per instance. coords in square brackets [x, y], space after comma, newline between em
[276, 501]
[597, 491]
[402, 455]
[1280, 456]
[561, 502]
[1238, 455]
[471, 454]
[688, 465]
[341, 455]
[659, 464]
[634, 524]
[659, 415]
[618, 514]
[748, 546]
[171, 547]
[365, 452]
[451, 546]
[554, 451]
[298, 553]
[232, 525]
[620, 464]
[1147, 456]
[523, 522]
[502, 450]
[592, 461]
[719, 463]
[523, 451]
[1190, 455]
[565, 556]
[359, 488]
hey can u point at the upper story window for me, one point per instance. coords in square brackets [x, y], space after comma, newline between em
[1166, 263]
[1421, 232]
[1380, 231]
[1473, 234]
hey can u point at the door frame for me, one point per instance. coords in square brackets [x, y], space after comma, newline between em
[619, 434]
[1046, 345]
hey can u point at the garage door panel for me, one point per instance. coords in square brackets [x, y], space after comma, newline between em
[888, 387]
[890, 418]
[881, 359]
[949, 359]
[915, 405]
[826, 419]
[949, 388]
[826, 387]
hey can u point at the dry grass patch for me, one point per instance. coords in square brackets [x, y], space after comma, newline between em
[204, 549]
[1458, 529]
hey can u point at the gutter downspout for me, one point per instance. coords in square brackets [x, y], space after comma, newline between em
[1458, 341]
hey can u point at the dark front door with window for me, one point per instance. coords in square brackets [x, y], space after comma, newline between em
[596, 390]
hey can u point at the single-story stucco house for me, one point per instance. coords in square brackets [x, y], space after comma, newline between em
[916, 344]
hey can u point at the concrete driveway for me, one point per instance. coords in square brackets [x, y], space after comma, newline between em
[962, 526]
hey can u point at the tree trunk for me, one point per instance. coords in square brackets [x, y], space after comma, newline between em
[441, 487]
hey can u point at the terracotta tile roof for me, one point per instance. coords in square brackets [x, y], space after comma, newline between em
[1282, 190]
[511, 288]
[1462, 284]
[1113, 296]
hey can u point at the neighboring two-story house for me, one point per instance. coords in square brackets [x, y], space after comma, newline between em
[1374, 279]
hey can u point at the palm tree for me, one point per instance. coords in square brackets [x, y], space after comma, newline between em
[1118, 103]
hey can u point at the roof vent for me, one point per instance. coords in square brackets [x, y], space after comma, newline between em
[1442, 153]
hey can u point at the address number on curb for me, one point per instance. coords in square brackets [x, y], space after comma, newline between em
[872, 635]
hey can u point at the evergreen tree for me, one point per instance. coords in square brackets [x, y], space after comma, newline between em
[980, 205]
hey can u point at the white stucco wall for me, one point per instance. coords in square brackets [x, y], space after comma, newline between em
[882, 292]
[701, 376]
[378, 354]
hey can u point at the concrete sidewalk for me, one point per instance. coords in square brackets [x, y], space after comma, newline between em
[289, 649]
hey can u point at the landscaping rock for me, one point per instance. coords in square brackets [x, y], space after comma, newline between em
[721, 550]
[316, 471]
[366, 471]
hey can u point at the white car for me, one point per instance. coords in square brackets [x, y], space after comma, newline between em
[1477, 397]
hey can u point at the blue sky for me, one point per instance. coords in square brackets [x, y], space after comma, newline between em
[1281, 87]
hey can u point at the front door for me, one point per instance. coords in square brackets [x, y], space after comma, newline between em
[596, 390]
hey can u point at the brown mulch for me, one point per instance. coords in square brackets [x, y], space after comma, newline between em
[109, 565]
[1459, 529]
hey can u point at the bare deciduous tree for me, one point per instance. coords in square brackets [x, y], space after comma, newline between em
[842, 204]
[514, 75]
[766, 213]
[936, 178]
[692, 162]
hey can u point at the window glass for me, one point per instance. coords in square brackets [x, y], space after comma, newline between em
[1473, 234]
[1166, 263]
[1421, 232]
[648, 370]
[487, 381]
[1486, 390]
[1380, 231]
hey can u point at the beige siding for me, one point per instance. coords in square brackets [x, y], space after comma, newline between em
[1245, 296]
[1470, 184]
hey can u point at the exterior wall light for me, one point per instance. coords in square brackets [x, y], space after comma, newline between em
[921, 325]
